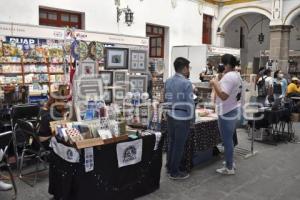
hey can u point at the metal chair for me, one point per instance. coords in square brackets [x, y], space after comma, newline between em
[6, 139]
[33, 148]
[27, 112]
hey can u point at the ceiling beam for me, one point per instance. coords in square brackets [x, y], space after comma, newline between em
[227, 2]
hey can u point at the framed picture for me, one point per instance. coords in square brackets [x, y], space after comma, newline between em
[120, 77]
[108, 95]
[87, 68]
[120, 94]
[138, 61]
[116, 58]
[86, 88]
[106, 77]
[137, 83]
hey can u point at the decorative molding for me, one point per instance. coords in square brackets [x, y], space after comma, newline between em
[292, 15]
[247, 9]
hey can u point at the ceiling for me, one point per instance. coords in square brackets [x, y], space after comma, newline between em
[227, 2]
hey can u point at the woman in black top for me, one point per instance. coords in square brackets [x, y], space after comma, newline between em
[52, 110]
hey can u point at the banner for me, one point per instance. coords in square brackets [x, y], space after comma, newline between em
[129, 153]
[69, 154]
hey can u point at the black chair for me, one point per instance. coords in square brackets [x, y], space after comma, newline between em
[27, 112]
[6, 139]
[33, 149]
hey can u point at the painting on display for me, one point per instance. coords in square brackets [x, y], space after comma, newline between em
[106, 77]
[137, 83]
[138, 61]
[120, 77]
[116, 58]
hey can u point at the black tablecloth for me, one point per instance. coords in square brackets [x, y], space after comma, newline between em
[204, 135]
[69, 181]
[269, 117]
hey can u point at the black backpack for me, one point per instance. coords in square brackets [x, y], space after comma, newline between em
[277, 88]
[261, 87]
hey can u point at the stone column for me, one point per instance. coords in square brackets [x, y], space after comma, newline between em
[279, 45]
[220, 41]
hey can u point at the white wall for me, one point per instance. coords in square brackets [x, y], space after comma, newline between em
[184, 21]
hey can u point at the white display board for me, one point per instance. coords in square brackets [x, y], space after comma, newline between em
[31, 31]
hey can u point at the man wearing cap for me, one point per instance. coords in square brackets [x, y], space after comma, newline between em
[293, 90]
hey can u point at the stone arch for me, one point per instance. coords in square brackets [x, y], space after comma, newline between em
[292, 15]
[233, 14]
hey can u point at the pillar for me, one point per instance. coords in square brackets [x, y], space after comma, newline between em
[279, 45]
[220, 41]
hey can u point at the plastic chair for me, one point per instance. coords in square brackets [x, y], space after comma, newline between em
[6, 139]
[33, 149]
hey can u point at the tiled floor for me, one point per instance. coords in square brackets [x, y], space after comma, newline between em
[273, 174]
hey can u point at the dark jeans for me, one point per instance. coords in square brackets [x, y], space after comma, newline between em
[178, 131]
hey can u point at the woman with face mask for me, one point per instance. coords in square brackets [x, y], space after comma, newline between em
[280, 84]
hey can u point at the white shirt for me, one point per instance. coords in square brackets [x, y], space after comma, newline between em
[230, 84]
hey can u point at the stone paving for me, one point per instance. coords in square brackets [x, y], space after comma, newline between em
[273, 174]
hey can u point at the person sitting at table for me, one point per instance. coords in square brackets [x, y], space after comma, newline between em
[293, 89]
[228, 91]
[54, 108]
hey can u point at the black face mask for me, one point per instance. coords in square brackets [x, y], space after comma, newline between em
[221, 68]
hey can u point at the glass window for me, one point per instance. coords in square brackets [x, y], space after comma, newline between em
[155, 30]
[158, 51]
[148, 29]
[74, 18]
[65, 17]
[43, 15]
[153, 42]
[52, 16]
[161, 31]
[158, 42]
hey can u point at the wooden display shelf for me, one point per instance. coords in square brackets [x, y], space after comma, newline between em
[35, 72]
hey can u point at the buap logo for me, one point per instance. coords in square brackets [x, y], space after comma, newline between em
[129, 154]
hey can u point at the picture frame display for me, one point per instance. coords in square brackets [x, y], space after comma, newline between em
[116, 58]
[106, 77]
[138, 61]
[120, 94]
[138, 83]
[108, 95]
[120, 78]
[87, 68]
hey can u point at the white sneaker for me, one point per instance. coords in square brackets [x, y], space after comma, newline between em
[5, 186]
[233, 164]
[225, 171]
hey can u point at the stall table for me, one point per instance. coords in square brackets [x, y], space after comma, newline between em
[204, 136]
[69, 181]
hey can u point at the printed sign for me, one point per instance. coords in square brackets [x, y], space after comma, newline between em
[69, 154]
[129, 153]
[89, 159]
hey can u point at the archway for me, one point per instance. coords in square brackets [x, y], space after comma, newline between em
[230, 16]
[241, 28]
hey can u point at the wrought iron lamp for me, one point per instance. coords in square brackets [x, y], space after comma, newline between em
[261, 36]
[128, 15]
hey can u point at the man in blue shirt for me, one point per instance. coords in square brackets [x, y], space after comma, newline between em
[181, 109]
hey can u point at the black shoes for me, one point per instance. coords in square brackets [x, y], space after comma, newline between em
[179, 176]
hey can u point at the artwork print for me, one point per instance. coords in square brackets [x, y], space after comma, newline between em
[106, 77]
[138, 61]
[120, 77]
[116, 58]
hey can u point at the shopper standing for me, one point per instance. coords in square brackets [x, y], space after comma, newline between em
[179, 98]
[228, 92]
